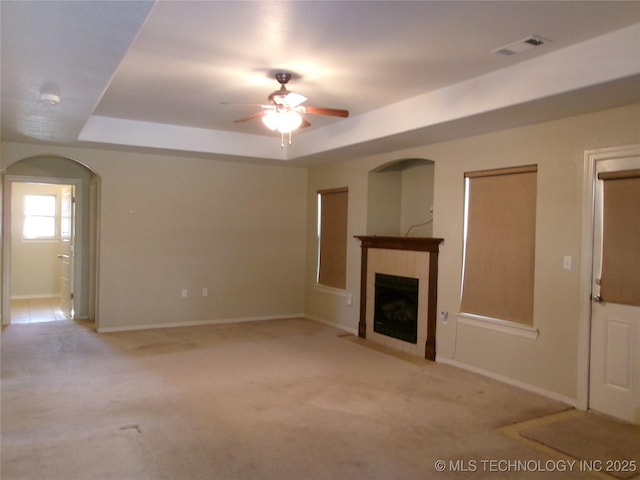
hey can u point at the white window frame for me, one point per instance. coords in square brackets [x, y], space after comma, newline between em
[39, 215]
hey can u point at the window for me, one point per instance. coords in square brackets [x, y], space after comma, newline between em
[39, 216]
[332, 237]
[499, 247]
[620, 277]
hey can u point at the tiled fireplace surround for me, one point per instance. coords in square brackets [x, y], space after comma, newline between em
[411, 257]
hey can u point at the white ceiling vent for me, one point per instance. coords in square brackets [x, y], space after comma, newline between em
[521, 46]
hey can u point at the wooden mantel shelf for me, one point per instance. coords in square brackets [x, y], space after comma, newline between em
[391, 242]
[419, 244]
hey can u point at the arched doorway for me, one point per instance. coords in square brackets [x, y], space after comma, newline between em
[82, 258]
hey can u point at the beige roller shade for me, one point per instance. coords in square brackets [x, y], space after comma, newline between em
[620, 281]
[500, 244]
[332, 270]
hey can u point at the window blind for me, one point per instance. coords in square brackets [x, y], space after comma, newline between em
[620, 280]
[332, 269]
[499, 253]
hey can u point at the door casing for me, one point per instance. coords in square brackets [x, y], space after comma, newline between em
[6, 228]
[591, 157]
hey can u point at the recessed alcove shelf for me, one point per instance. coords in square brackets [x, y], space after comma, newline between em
[400, 198]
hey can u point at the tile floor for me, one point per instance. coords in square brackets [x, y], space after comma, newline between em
[36, 310]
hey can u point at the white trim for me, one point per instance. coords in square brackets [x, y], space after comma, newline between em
[39, 295]
[353, 331]
[502, 326]
[41, 240]
[197, 323]
[509, 381]
[330, 290]
[588, 198]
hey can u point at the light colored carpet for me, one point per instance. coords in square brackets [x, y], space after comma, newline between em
[601, 442]
[407, 357]
[284, 399]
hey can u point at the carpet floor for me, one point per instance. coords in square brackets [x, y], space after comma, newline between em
[281, 399]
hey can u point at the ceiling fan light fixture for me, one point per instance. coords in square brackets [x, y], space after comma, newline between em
[284, 121]
[282, 112]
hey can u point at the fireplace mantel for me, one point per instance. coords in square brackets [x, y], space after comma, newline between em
[391, 242]
[416, 244]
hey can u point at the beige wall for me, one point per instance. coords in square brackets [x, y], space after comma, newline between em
[548, 363]
[247, 232]
[417, 199]
[330, 306]
[384, 204]
[169, 223]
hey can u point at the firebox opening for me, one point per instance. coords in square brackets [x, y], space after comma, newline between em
[396, 307]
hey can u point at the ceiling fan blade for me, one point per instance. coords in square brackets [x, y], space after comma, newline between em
[294, 99]
[250, 117]
[324, 111]
[261, 105]
[236, 103]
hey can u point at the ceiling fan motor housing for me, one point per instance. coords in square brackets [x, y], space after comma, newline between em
[283, 78]
[278, 97]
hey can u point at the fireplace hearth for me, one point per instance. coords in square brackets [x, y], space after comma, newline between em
[396, 307]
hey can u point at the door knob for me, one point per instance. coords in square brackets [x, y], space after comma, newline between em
[596, 298]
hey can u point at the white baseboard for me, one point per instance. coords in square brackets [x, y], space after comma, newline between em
[40, 295]
[148, 326]
[354, 331]
[509, 381]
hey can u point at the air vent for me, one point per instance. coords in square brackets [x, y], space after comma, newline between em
[520, 46]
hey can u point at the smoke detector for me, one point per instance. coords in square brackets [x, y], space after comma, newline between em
[521, 46]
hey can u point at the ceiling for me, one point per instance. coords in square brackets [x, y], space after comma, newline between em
[155, 75]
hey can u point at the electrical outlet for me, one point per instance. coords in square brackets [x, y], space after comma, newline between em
[205, 292]
[184, 293]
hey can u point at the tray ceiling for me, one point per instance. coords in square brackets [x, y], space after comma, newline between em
[154, 74]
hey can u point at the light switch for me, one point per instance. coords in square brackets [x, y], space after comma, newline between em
[568, 260]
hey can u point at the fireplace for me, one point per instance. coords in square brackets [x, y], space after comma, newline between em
[396, 307]
[398, 293]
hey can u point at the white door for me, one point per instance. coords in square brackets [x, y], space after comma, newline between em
[614, 379]
[66, 254]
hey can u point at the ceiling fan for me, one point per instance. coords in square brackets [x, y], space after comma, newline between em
[282, 113]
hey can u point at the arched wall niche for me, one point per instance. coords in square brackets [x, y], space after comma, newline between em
[400, 198]
[58, 169]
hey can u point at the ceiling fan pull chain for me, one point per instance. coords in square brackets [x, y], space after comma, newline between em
[281, 139]
[289, 137]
